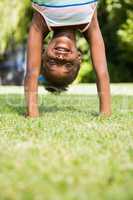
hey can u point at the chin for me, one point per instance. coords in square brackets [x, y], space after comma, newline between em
[64, 42]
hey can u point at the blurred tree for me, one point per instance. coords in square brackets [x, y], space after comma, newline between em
[116, 19]
[14, 20]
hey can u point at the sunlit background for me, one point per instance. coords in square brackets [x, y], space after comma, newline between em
[116, 21]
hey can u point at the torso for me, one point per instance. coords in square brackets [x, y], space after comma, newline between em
[75, 14]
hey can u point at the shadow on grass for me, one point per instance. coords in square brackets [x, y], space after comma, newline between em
[67, 109]
[14, 104]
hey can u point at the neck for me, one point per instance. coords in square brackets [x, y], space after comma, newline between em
[65, 33]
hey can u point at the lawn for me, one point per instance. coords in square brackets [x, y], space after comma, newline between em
[69, 153]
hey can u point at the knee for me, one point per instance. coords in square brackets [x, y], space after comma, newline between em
[38, 22]
[94, 23]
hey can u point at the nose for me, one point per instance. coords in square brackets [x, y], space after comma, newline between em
[60, 55]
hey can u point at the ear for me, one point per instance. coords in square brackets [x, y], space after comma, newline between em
[79, 57]
[43, 51]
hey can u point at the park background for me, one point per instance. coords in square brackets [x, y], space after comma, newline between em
[69, 152]
[116, 22]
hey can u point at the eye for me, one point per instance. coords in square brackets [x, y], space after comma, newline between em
[51, 62]
[68, 65]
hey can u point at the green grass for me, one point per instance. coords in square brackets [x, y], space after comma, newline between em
[69, 153]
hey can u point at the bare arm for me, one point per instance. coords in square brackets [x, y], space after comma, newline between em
[95, 39]
[38, 31]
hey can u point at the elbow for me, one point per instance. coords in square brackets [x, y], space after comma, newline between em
[30, 79]
[31, 74]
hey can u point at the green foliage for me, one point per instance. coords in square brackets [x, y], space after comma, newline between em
[86, 67]
[116, 21]
[14, 20]
[126, 35]
[8, 21]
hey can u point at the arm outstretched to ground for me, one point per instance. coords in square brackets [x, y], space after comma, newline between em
[38, 31]
[97, 48]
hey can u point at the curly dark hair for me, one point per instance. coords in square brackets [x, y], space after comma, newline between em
[58, 85]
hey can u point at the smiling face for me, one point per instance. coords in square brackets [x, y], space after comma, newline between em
[61, 60]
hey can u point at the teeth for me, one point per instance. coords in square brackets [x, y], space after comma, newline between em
[62, 49]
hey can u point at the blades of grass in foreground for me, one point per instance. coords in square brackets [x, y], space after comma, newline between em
[67, 153]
